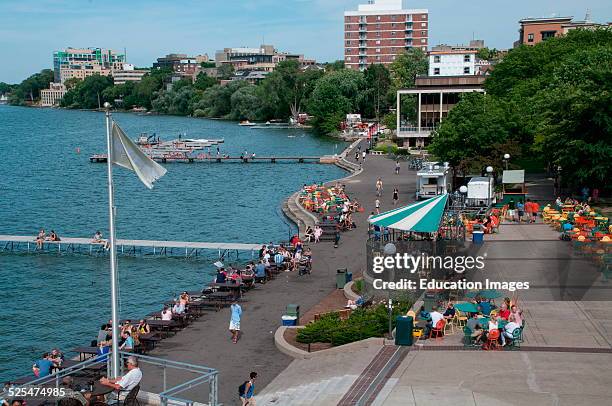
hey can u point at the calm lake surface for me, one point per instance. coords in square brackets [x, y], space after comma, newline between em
[50, 300]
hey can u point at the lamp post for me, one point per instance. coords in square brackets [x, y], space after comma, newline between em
[489, 172]
[506, 159]
[390, 250]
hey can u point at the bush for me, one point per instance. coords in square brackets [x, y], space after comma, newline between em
[362, 324]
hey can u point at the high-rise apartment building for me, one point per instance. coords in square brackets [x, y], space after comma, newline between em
[382, 29]
[83, 62]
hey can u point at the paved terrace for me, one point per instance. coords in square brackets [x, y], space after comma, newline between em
[207, 341]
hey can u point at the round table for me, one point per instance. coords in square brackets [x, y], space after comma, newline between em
[101, 390]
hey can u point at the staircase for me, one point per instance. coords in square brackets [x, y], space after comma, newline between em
[326, 392]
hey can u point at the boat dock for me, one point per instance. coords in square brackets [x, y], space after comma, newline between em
[186, 249]
[235, 159]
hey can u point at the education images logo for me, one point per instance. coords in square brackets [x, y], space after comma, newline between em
[429, 263]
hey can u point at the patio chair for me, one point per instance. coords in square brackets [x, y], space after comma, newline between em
[438, 330]
[132, 397]
[449, 326]
[517, 338]
[493, 341]
[461, 319]
[467, 337]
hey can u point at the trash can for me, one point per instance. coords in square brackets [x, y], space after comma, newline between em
[403, 330]
[294, 311]
[289, 320]
[478, 237]
[340, 278]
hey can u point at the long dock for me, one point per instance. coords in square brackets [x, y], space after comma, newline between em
[187, 249]
[98, 158]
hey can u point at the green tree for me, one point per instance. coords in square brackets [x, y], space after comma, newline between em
[334, 66]
[245, 104]
[6, 88]
[487, 53]
[374, 97]
[405, 68]
[203, 81]
[28, 91]
[88, 93]
[225, 71]
[334, 96]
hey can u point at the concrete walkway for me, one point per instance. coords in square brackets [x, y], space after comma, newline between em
[499, 378]
[207, 341]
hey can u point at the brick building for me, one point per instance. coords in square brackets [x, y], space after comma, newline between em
[382, 29]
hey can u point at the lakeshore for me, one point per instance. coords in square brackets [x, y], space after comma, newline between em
[51, 185]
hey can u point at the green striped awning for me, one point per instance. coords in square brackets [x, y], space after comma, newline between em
[422, 217]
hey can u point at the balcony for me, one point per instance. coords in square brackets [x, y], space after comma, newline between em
[415, 132]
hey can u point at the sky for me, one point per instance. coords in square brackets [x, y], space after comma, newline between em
[30, 30]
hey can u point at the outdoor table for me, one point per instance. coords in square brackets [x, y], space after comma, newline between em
[227, 285]
[466, 307]
[84, 351]
[100, 390]
[490, 294]
[164, 326]
[149, 340]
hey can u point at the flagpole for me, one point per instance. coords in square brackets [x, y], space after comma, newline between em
[113, 249]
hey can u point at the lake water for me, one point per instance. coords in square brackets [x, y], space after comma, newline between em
[50, 300]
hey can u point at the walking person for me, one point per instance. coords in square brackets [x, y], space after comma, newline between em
[395, 196]
[234, 326]
[363, 155]
[379, 187]
[247, 389]
[377, 205]
[357, 156]
[397, 167]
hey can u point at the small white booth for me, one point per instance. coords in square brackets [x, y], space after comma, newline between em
[433, 180]
[481, 191]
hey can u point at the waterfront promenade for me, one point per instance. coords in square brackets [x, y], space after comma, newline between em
[207, 341]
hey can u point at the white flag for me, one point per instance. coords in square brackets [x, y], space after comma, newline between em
[128, 155]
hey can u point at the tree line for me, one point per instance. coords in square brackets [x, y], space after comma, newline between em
[550, 102]
[327, 94]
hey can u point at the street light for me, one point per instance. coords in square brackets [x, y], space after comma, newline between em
[506, 159]
[463, 190]
[489, 172]
[390, 250]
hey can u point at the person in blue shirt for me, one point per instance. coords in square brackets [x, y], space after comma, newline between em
[247, 390]
[43, 366]
[260, 270]
[102, 353]
[128, 342]
[234, 326]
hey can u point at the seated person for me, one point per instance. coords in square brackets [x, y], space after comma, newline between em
[425, 316]
[504, 312]
[449, 313]
[74, 392]
[103, 350]
[508, 332]
[436, 316]
[53, 236]
[166, 314]
[128, 381]
[184, 299]
[56, 356]
[43, 366]
[143, 327]
[485, 307]
[260, 270]
[128, 341]
[221, 276]
[178, 308]
[353, 304]
[474, 325]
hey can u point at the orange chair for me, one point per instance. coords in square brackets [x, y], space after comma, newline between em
[438, 330]
[493, 340]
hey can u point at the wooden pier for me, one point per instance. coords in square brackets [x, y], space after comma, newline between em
[187, 249]
[98, 158]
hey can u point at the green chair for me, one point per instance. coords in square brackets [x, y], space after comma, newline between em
[517, 339]
[468, 340]
[521, 339]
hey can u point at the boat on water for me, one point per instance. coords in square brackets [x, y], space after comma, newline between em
[246, 123]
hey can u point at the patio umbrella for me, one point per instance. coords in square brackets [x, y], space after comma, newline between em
[466, 307]
[422, 217]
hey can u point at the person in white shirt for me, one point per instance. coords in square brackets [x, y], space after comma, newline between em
[128, 381]
[493, 323]
[166, 314]
[178, 308]
[508, 331]
[436, 316]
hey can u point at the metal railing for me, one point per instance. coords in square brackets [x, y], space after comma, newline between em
[205, 375]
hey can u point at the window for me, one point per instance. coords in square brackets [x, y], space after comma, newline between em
[348, 42]
[378, 42]
[393, 33]
[548, 34]
[467, 58]
[424, 33]
[377, 18]
[437, 58]
[348, 58]
[466, 70]
[378, 26]
[423, 40]
[378, 50]
[423, 25]
[436, 71]
[529, 37]
[392, 25]
[378, 57]
[424, 16]
[393, 17]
